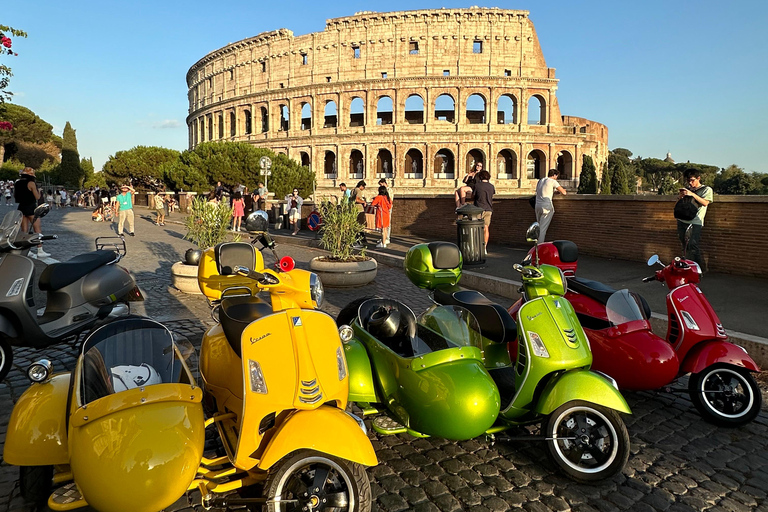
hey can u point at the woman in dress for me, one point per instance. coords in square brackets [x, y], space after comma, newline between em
[383, 204]
[238, 210]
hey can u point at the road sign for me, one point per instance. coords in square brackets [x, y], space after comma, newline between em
[265, 163]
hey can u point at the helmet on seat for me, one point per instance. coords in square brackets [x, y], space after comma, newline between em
[383, 322]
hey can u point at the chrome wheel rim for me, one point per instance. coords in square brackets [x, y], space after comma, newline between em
[585, 439]
[726, 393]
[317, 482]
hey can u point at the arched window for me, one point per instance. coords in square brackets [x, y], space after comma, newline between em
[414, 109]
[564, 166]
[356, 165]
[506, 165]
[445, 108]
[285, 118]
[329, 164]
[232, 124]
[248, 122]
[537, 110]
[536, 165]
[474, 156]
[264, 120]
[202, 129]
[305, 162]
[506, 111]
[330, 114]
[476, 109]
[210, 127]
[444, 164]
[357, 112]
[384, 164]
[194, 134]
[306, 116]
[414, 164]
[384, 111]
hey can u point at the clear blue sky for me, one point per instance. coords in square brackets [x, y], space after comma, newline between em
[686, 76]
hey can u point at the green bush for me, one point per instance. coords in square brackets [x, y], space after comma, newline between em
[207, 223]
[340, 229]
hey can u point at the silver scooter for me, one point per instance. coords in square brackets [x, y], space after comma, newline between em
[88, 290]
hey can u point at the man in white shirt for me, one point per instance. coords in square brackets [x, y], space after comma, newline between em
[545, 210]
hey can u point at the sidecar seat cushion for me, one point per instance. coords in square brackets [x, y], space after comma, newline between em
[237, 313]
[592, 289]
[59, 275]
[228, 255]
[445, 255]
[496, 324]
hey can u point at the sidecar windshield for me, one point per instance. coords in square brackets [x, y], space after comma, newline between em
[623, 307]
[131, 353]
[443, 327]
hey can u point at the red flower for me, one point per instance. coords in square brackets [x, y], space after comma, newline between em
[6, 42]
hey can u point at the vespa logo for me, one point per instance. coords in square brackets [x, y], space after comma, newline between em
[296, 321]
[16, 287]
[254, 340]
[684, 298]
[534, 316]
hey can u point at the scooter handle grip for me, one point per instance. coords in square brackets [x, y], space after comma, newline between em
[245, 271]
[49, 237]
[649, 279]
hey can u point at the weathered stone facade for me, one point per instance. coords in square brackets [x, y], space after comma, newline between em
[417, 96]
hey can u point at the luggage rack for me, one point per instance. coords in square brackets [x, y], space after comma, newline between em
[115, 243]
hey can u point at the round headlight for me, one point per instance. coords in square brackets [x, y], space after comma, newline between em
[346, 333]
[316, 289]
[39, 371]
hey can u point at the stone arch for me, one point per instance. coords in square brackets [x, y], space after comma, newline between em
[414, 164]
[414, 109]
[565, 165]
[506, 165]
[537, 110]
[506, 109]
[356, 164]
[473, 156]
[445, 108]
[305, 160]
[264, 120]
[384, 110]
[330, 114]
[306, 116]
[221, 125]
[232, 124]
[202, 129]
[357, 112]
[248, 122]
[444, 164]
[285, 118]
[536, 165]
[476, 108]
[384, 168]
[329, 164]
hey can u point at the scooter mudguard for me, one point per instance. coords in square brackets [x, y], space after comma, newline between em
[325, 429]
[37, 430]
[583, 385]
[361, 386]
[712, 352]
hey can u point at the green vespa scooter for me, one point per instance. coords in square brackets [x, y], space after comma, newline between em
[456, 371]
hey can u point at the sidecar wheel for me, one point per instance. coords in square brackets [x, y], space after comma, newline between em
[319, 480]
[725, 395]
[587, 441]
[6, 357]
[36, 483]
[348, 313]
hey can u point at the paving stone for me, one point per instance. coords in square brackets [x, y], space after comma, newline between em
[468, 496]
[495, 504]
[536, 506]
[434, 488]
[393, 503]
[447, 503]
[555, 503]
[414, 494]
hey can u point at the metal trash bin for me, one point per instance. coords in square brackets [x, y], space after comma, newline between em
[471, 235]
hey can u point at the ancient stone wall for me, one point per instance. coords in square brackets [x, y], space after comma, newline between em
[417, 96]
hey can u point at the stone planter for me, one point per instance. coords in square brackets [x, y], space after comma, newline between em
[184, 278]
[344, 274]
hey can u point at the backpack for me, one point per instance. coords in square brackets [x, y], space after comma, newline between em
[686, 207]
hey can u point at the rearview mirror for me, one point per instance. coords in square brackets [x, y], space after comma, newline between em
[42, 210]
[532, 235]
[653, 260]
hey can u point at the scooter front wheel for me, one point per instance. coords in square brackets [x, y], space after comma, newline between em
[6, 357]
[725, 395]
[308, 478]
[36, 483]
[587, 441]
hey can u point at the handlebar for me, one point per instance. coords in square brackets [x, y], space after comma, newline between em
[49, 237]
[649, 279]
[265, 279]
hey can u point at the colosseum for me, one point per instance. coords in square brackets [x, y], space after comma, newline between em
[415, 96]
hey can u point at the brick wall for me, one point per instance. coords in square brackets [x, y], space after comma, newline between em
[622, 227]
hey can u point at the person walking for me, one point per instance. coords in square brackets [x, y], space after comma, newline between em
[545, 210]
[345, 193]
[357, 200]
[483, 195]
[238, 210]
[702, 195]
[26, 193]
[160, 206]
[125, 212]
[294, 210]
[383, 204]
[391, 195]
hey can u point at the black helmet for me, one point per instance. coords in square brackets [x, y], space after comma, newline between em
[384, 322]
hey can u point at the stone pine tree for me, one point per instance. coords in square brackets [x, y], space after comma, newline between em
[70, 172]
[588, 181]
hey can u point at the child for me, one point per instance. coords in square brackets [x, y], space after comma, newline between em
[238, 210]
[384, 206]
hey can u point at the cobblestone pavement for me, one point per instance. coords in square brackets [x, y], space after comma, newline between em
[678, 462]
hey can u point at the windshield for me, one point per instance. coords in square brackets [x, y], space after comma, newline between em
[9, 228]
[132, 353]
[443, 327]
[623, 307]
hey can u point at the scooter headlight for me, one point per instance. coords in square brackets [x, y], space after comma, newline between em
[537, 345]
[316, 289]
[346, 333]
[258, 384]
[40, 371]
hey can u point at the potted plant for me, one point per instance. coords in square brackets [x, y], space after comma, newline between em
[339, 232]
[207, 225]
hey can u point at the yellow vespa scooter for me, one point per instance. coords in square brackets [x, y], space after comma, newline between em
[126, 430]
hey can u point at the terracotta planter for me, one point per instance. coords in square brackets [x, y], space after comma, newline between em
[184, 278]
[344, 274]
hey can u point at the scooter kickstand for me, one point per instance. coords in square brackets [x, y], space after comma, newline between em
[490, 439]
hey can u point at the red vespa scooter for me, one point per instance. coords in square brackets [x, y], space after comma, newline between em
[721, 384]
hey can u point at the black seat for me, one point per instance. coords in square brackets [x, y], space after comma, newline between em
[601, 292]
[228, 255]
[237, 313]
[568, 251]
[495, 323]
[59, 275]
[445, 255]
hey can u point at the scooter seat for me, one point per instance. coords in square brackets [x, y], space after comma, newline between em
[59, 275]
[495, 323]
[601, 292]
[237, 313]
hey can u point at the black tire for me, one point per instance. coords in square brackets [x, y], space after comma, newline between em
[6, 357]
[36, 483]
[348, 313]
[725, 395]
[345, 484]
[601, 447]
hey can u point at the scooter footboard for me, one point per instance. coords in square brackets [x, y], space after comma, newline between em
[327, 430]
[581, 385]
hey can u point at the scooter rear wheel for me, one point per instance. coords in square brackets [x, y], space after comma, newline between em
[325, 482]
[6, 357]
[727, 396]
[587, 441]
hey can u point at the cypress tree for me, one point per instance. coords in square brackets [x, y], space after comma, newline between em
[588, 181]
[70, 171]
[605, 184]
